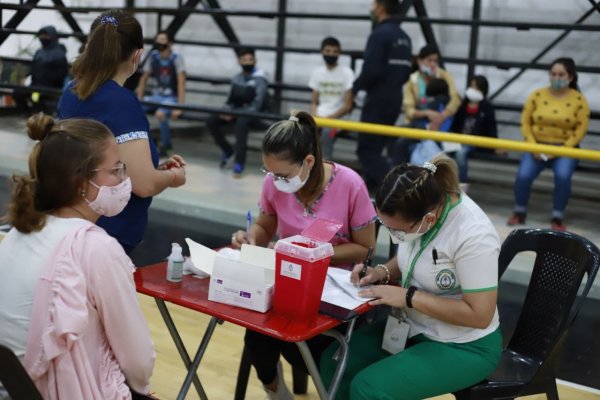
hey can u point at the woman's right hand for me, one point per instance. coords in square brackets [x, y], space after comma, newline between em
[239, 238]
[373, 275]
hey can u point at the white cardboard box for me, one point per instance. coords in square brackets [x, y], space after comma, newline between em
[247, 282]
[241, 284]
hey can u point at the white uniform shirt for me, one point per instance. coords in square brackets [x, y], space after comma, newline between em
[467, 247]
[332, 84]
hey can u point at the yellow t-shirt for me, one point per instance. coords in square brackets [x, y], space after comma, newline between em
[561, 121]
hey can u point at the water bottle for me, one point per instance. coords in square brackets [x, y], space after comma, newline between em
[175, 264]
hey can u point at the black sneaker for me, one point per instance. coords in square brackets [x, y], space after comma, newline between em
[224, 159]
[556, 224]
[516, 218]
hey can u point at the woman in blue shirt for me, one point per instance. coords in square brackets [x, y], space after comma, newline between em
[112, 55]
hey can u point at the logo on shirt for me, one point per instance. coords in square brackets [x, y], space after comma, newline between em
[445, 279]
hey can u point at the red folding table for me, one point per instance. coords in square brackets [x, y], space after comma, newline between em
[192, 293]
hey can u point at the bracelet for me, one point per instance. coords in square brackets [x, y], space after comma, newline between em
[409, 295]
[387, 273]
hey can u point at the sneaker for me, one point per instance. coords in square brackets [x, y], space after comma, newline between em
[516, 219]
[282, 393]
[557, 225]
[224, 159]
[238, 169]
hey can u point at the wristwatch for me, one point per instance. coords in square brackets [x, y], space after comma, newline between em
[409, 295]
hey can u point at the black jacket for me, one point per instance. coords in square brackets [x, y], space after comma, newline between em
[49, 66]
[387, 64]
[485, 120]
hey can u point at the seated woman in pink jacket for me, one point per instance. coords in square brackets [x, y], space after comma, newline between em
[67, 296]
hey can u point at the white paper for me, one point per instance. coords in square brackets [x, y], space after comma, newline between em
[190, 269]
[228, 252]
[202, 257]
[340, 291]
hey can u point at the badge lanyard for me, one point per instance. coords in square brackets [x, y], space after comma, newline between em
[425, 241]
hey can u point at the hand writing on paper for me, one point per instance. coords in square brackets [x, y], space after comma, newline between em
[239, 238]
[372, 275]
[394, 296]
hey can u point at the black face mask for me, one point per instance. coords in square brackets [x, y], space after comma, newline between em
[330, 60]
[160, 46]
[247, 67]
[45, 42]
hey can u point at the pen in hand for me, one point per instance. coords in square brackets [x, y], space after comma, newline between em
[248, 223]
[366, 264]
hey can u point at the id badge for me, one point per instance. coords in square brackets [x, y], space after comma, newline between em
[395, 334]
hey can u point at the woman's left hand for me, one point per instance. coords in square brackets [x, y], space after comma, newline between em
[176, 161]
[394, 296]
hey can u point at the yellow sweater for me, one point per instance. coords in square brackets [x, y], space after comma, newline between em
[547, 119]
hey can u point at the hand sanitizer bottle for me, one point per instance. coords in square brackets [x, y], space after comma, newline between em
[175, 264]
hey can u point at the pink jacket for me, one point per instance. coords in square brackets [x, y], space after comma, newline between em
[88, 338]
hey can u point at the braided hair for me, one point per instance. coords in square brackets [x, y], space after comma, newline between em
[413, 191]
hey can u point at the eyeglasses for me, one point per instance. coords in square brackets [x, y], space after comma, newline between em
[275, 177]
[120, 170]
[398, 233]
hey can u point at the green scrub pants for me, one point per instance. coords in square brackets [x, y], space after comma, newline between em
[425, 368]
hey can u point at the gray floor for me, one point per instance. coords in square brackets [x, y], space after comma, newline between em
[212, 204]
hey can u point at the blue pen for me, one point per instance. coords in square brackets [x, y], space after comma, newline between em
[248, 223]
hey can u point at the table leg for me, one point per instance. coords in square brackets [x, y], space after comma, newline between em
[197, 358]
[166, 316]
[342, 358]
[312, 369]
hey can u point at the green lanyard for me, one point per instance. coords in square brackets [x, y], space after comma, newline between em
[426, 240]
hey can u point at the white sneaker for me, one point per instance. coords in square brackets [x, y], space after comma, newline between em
[282, 393]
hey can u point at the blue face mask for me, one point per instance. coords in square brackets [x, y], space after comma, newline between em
[558, 84]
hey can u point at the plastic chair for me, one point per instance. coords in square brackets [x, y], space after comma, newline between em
[527, 364]
[14, 378]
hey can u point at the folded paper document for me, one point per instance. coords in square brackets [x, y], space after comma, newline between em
[340, 291]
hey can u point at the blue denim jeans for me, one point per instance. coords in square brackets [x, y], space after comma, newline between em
[462, 160]
[530, 168]
[165, 131]
[327, 143]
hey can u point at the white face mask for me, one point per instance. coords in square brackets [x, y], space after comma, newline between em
[427, 70]
[397, 236]
[291, 185]
[111, 200]
[474, 95]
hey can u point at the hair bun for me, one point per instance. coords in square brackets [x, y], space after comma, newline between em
[39, 126]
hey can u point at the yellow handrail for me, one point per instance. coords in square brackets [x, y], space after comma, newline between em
[478, 141]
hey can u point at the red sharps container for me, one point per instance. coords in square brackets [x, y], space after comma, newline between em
[301, 263]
